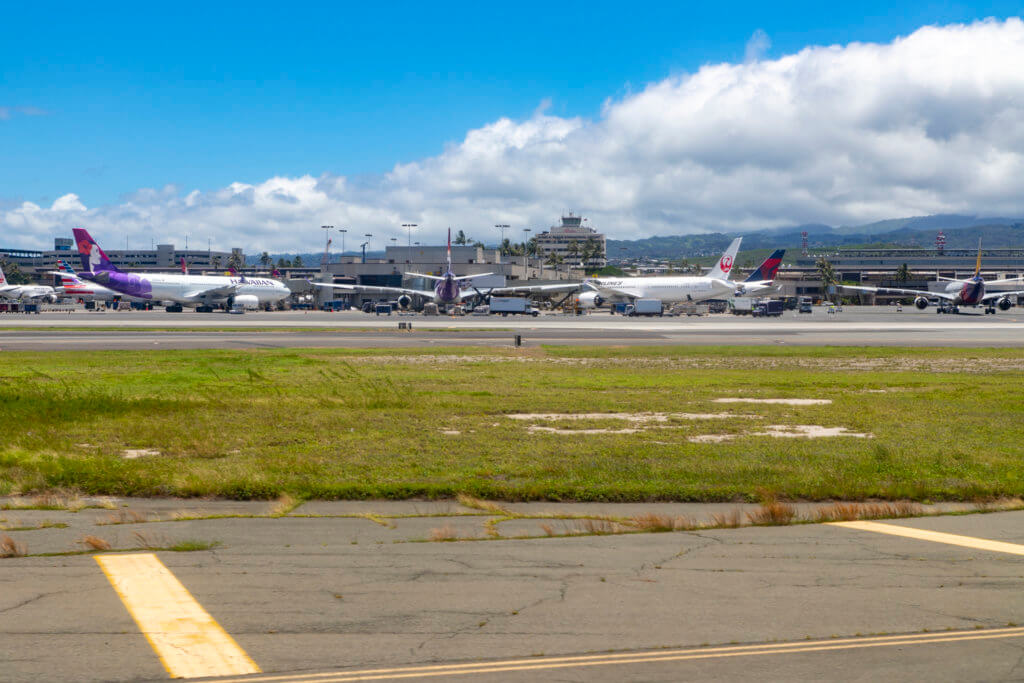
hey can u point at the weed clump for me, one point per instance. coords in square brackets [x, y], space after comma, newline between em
[11, 548]
[94, 543]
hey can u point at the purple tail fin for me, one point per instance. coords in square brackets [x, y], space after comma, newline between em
[768, 269]
[93, 258]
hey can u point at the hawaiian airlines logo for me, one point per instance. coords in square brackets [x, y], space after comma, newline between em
[725, 264]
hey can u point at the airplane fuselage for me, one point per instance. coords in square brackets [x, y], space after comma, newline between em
[968, 292]
[176, 288]
[667, 289]
[23, 292]
[447, 291]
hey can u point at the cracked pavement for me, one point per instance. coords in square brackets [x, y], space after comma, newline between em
[312, 590]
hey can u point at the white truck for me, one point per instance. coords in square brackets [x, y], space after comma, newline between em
[743, 305]
[515, 305]
[645, 307]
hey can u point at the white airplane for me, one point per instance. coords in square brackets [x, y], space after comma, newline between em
[964, 292]
[450, 288]
[236, 294]
[26, 292]
[762, 280]
[668, 289]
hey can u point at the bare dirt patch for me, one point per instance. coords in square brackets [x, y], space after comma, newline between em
[133, 453]
[785, 432]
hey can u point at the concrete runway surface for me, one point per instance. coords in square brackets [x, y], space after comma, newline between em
[339, 591]
[870, 326]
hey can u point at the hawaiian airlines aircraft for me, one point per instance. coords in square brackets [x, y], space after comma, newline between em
[25, 292]
[450, 288]
[202, 291]
[966, 292]
[668, 289]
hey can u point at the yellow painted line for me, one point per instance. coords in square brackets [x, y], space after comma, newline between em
[547, 663]
[185, 637]
[935, 536]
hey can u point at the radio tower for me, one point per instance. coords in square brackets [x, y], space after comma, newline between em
[940, 243]
[803, 241]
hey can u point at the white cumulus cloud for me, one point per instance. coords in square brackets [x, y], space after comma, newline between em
[932, 122]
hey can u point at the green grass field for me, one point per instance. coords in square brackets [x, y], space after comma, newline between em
[945, 423]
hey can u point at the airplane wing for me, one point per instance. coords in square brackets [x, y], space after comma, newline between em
[1005, 281]
[894, 290]
[538, 289]
[377, 290]
[1000, 295]
[627, 292]
[458, 277]
[212, 293]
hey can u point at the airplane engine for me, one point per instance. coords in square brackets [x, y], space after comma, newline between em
[404, 301]
[244, 302]
[921, 302]
[590, 300]
[52, 298]
[1004, 303]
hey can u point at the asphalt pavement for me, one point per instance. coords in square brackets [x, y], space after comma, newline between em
[355, 590]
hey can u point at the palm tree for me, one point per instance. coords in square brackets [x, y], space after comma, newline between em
[460, 238]
[592, 249]
[235, 261]
[902, 274]
[827, 274]
[297, 261]
[265, 260]
[553, 259]
[574, 250]
[506, 247]
[216, 262]
[532, 247]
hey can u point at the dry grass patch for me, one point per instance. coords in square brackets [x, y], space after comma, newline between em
[773, 513]
[11, 548]
[727, 520]
[596, 526]
[444, 533]
[125, 516]
[848, 512]
[94, 543]
[149, 542]
[468, 501]
[284, 504]
[547, 529]
[658, 523]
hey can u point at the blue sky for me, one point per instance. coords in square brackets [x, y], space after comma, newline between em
[203, 95]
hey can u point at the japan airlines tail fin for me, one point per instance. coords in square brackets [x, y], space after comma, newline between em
[767, 270]
[3, 280]
[724, 266]
[184, 266]
[93, 258]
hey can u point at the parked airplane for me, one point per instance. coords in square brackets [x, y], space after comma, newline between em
[450, 288]
[668, 289]
[26, 292]
[762, 280]
[966, 292]
[202, 291]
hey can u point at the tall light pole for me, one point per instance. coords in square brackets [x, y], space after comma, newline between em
[342, 231]
[503, 227]
[327, 244]
[526, 260]
[409, 227]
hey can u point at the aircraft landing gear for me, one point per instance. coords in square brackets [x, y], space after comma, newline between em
[176, 308]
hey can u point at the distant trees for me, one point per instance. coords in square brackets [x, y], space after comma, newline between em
[297, 261]
[13, 273]
[216, 262]
[460, 238]
[235, 261]
[265, 260]
[902, 274]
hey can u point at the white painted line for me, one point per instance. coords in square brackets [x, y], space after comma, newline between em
[185, 637]
[935, 537]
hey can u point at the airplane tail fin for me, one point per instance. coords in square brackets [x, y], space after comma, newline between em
[977, 266]
[724, 266]
[93, 258]
[768, 269]
[449, 250]
[184, 266]
[3, 279]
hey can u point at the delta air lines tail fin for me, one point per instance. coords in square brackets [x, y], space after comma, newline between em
[93, 258]
[724, 266]
[767, 270]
